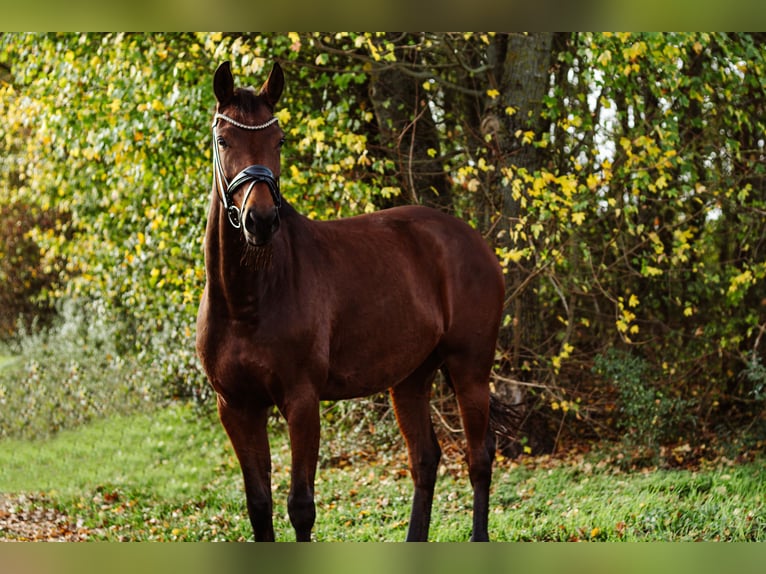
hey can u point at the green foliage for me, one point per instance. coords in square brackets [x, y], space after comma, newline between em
[642, 221]
[755, 374]
[70, 374]
[620, 178]
[113, 131]
[648, 417]
[351, 428]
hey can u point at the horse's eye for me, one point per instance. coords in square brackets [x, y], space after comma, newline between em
[281, 142]
[222, 143]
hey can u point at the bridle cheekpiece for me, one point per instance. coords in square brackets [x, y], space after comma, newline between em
[252, 174]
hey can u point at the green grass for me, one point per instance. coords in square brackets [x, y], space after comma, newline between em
[583, 502]
[171, 475]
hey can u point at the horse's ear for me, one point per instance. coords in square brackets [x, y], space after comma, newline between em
[223, 84]
[273, 87]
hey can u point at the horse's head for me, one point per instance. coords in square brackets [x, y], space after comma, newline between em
[246, 153]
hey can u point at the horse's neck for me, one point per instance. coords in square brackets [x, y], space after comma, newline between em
[237, 277]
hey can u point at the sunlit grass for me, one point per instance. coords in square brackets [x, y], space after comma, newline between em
[6, 360]
[171, 475]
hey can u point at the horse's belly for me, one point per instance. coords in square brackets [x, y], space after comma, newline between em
[375, 363]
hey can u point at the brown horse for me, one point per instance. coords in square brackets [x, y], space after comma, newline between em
[297, 311]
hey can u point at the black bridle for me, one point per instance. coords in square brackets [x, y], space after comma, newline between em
[251, 174]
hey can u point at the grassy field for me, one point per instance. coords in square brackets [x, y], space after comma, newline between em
[7, 360]
[171, 475]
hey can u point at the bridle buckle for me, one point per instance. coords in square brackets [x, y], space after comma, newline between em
[234, 216]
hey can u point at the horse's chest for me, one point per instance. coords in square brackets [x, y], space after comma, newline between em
[242, 364]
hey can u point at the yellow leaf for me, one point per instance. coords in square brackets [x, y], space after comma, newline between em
[296, 41]
[528, 137]
[651, 271]
[283, 116]
[744, 278]
[605, 57]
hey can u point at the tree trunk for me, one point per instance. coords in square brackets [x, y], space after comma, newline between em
[520, 73]
[521, 65]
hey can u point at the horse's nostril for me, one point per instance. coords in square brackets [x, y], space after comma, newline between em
[260, 225]
[250, 220]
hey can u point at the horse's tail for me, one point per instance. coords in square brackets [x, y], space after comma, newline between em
[504, 418]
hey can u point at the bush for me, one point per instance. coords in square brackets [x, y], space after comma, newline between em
[173, 352]
[755, 374]
[71, 374]
[649, 417]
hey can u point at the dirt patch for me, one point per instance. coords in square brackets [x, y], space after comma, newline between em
[28, 518]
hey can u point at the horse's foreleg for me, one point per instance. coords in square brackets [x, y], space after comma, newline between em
[412, 407]
[247, 432]
[303, 424]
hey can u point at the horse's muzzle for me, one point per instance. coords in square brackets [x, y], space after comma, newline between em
[260, 224]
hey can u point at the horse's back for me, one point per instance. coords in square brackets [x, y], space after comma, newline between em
[465, 262]
[430, 241]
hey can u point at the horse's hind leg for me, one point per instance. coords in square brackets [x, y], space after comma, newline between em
[412, 407]
[472, 391]
[247, 432]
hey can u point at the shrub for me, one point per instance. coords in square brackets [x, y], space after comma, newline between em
[755, 374]
[69, 374]
[649, 416]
